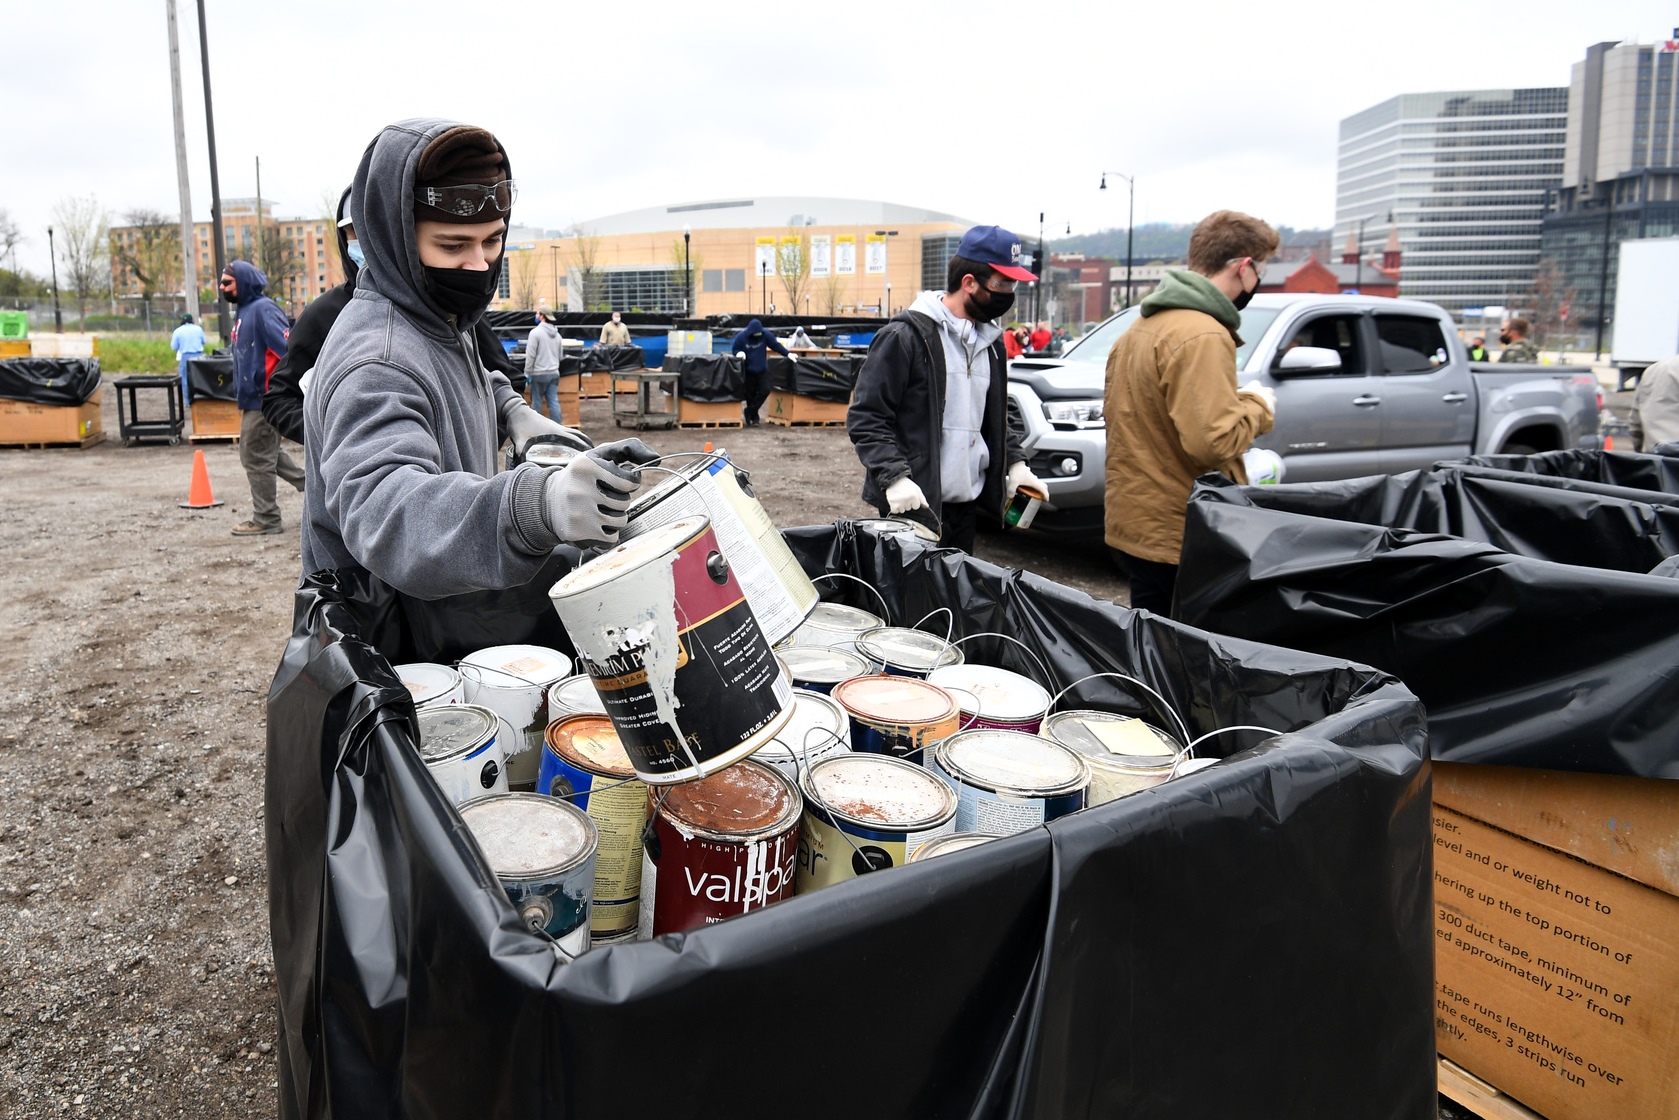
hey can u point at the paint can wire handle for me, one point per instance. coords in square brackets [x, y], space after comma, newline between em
[885, 611]
[1189, 751]
[1048, 680]
[478, 671]
[804, 763]
[950, 622]
[1183, 728]
[960, 726]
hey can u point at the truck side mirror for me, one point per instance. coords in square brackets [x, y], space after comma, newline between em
[1308, 359]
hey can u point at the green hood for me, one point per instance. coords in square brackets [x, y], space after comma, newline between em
[1183, 288]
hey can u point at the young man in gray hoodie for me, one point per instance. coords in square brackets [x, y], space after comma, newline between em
[403, 421]
[542, 367]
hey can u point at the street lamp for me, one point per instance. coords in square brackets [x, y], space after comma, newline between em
[1130, 222]
[556, 258]
[887, 233]
[687, 274]
[887, 310]
[1358, 273]
[52, 255]
[764, 287]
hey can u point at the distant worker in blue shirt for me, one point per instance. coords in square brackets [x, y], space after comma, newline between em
[188, 341]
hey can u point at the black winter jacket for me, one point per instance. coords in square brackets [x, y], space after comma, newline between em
[896, 417]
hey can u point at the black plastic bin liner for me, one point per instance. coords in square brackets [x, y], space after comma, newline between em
[1614, 468]
[823, 379]
[210, 379]
[52, 381]
[1251, 940]
[1521, 661]
[609, 359]
[708, 377]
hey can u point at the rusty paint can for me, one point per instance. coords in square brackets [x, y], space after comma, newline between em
[584, 763]
[899, 716]
[681, 665]
[867, 812]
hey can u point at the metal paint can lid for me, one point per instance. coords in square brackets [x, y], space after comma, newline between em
[573, 695]
[517, 666]
[1001, 694]
[822, 664]
[811, 712]
[896, 700]
[880, 792]
[746, 801]
[888, 525]
[1110, 739]
[454, 731]
[527, 836]
[1012, 762]
[904, 648]
[630, 556]
[426, 680]
[840, 618]
[590, 742]
[952, 842]
[550, 454]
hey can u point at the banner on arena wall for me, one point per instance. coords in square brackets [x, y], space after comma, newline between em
[874, 260]
[764, 263]
[845, 255]
[821, 255]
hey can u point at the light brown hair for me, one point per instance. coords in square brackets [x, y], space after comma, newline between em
[1519, 326]
[1225, 235]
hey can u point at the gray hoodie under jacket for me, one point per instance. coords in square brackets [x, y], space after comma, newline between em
[402, 422]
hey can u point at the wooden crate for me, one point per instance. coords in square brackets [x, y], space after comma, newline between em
[571, 406]
[787, 409]
[710, 414]
[25, 424]
[14, 348]
[592, 386]
[1479, 1097]
[215, 420]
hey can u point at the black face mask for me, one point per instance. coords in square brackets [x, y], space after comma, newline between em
[461, 292]
[1244, 297]
[994, 306]
[1504, 339]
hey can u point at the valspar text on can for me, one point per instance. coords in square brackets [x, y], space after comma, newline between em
[584, 763]
[430, 684]
[1008, 781]
[899, 716]
[820, 668]
[835, 626]
[867, 812]
[513, 681]
[1125, 754]
[458, 745]
[573, 696]
[816, 730]
[906, 652]
[719, 847]
[992, 697]
[676, 653]
[951, 842]
[543, 851]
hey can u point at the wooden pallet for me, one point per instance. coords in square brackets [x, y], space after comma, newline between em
[215, 420]
[1478, 1096]
[709, 414]
[791, 409]
[81, 444]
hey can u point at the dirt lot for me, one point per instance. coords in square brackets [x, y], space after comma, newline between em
[135, 971]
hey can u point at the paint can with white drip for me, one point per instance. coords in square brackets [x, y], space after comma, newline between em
[513, 681]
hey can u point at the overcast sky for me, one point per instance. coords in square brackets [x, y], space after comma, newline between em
[991, 111]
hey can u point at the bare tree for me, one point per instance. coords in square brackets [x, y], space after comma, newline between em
[151, 252]
[525, 266]
[1550, 299]
[792, 265]
[833, 293]
[10, 238]
[583, 280]
[84, 247]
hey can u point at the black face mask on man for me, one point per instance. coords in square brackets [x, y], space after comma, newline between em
[1504, 338]
[1244, 297]
[462, 292]
[993, 307]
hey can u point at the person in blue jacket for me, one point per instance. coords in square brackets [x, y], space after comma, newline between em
[188, 342]
[752, 346]
[260, 333]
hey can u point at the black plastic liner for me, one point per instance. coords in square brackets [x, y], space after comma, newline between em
[1251, 940]
[608, 359]
[709, 377]
[54, 381]
[1614, 468]
[210, 379]
[824, 379]
[1518, 610]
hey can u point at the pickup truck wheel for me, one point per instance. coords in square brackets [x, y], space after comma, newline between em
[1518, 449]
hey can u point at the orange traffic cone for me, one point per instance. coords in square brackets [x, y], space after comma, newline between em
[1608, 443]
[198, 494]
[708, 447]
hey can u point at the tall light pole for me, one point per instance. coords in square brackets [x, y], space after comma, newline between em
[687, 274]
[52, 255]
[764, 287]
[1130, 222]
[556, 260]
[189, 240]
[222, 324]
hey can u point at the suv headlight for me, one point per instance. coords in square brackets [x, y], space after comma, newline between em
[1074, 414]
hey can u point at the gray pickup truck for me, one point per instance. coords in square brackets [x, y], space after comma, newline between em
[1364, 386]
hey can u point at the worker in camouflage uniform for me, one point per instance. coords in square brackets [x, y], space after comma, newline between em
[1517, 346]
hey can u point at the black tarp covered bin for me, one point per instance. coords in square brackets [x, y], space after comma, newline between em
[1515, 602]
[708, 377]
[1251, 940]
[611, 359]
[823, 379]
[51, 381]
[211, 379]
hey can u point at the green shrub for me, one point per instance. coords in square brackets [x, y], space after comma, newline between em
[119, 354]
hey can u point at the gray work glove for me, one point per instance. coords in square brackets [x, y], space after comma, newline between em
[525, 425]
[586, 502]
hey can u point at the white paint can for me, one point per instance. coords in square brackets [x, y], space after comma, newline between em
[513, 681]
[835, 626]
[431, 684]
[817, 729]
[459, 745]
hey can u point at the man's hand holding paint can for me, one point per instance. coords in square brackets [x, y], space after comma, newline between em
[587, 502]
[1026, 494]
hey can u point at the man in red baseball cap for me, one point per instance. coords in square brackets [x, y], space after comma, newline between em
[929, 415]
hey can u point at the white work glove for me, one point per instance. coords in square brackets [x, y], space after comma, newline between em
[792, 357]
[904, 495]
[525, 424]
[741, 354]
[586, 502]
[1021, 475]
[1264, 393]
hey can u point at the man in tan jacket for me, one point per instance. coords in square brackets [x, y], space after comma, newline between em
[615, 333]
[1172, 406]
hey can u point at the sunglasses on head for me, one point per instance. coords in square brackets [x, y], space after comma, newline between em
[470, 198]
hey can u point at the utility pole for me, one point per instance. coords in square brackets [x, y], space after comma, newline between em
[259, 254]
[556, 250]
[189, 241]
[52, 255]
[1038, 284]
[1130, 222]
[687, 274]
[222, 324]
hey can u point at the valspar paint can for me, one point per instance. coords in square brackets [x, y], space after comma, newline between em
[513, 681]
[1007, 781]
[458, 744]
[953, 842]
[867, 812]
[543, 851]
[992, 697]
[574, 695]
[834, 626]
[820, 669]
[817, 729]
[1125, 754]
[905, 652]
[720, 846]
[584, 763]
[430, 684]
[681, 665]
[780, 593]
[898, 716]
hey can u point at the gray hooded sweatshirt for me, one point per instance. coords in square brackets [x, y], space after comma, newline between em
[402, 422]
